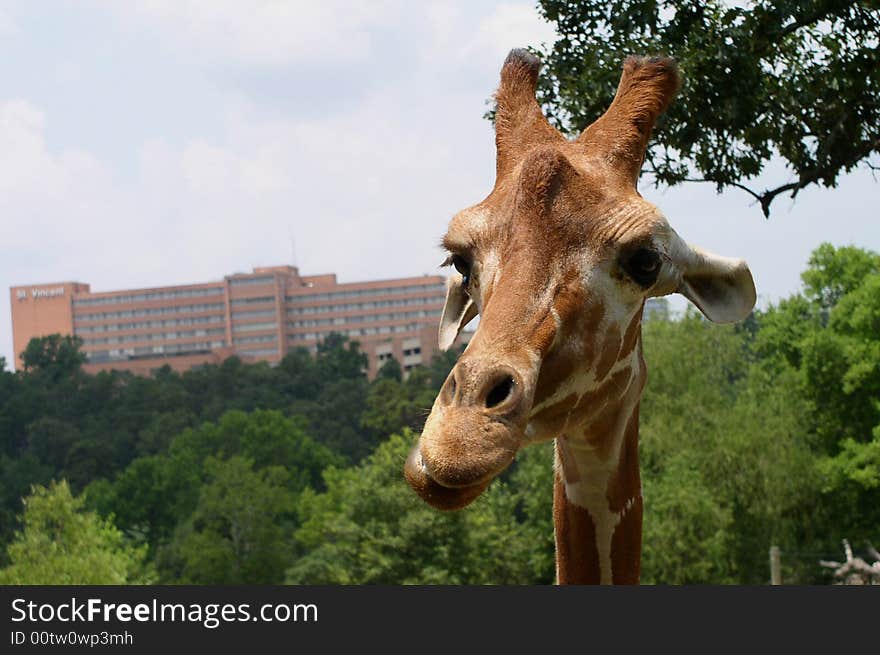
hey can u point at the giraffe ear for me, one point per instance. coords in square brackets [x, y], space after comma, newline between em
[721, 287]
[458, 311]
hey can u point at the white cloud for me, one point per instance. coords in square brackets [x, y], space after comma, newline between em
[468, 43]
[510, 25]
[301, 32]
[266, 32]
[45, 196]
[359, 191]
[8, 24]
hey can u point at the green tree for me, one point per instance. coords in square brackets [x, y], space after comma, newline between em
[793, 78]
[687, 528]
[394, 404]
[841, 379]
[834, 272]
[388, 409]
[370, 528]
[150, 497]
[531, 485]
[154, 494]
[62, 543]
[831, 335]
[54, 356]
[239, 532]
[17, 476]
[857, 464]
[391, 369]
[330, 391]
[727, 465]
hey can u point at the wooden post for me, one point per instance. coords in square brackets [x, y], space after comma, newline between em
[775, 566]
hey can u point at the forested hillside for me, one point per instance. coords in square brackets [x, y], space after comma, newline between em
[767, 432]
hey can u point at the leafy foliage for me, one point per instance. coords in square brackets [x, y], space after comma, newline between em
[54, 357]
[240, 528]
[62, 543]
[793, 78]
[369, 528]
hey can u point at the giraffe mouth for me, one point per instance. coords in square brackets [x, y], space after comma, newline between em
[472, 434]
[437, 495]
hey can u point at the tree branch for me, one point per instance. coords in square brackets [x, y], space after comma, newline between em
[804, 21]
[757, 196]
[767, 197]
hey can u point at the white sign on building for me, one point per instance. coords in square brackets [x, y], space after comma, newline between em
[54, 292]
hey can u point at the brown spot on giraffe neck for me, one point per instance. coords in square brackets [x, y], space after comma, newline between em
[599, 432]
[625, 483]
[596, 410]
[552, 419]
[632, 334]
[608, 353]
[625, 499]
[575, 410]
[553, 374]
[626, 545]
[577, 559]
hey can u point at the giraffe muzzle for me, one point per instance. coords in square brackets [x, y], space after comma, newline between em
[472, 435]
[434, 493]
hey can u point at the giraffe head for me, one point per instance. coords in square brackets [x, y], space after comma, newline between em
[558, 261]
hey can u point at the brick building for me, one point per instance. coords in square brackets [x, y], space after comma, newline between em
[258, 316]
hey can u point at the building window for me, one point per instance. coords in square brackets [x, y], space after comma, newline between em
[250, 281]
[261, 338]
[152, 311]
[154, 336]
[253, 327]
[262, 352]
[434, 287]
[146, 297]
[237, 302]
[259, 313]
[142, 352]
[349, 307]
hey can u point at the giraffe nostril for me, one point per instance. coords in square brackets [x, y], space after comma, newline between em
[500, 392]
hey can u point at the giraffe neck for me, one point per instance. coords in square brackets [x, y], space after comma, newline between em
[597, 500]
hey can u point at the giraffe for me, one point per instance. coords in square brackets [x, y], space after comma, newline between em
[558, 261]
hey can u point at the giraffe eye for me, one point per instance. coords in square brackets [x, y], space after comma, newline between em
[463, 267]
[643, 266]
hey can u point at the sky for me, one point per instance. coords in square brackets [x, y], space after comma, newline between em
[157, 142]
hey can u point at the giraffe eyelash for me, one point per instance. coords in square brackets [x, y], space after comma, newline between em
[462, 265]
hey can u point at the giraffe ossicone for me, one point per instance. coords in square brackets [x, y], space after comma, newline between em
[558, 261]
